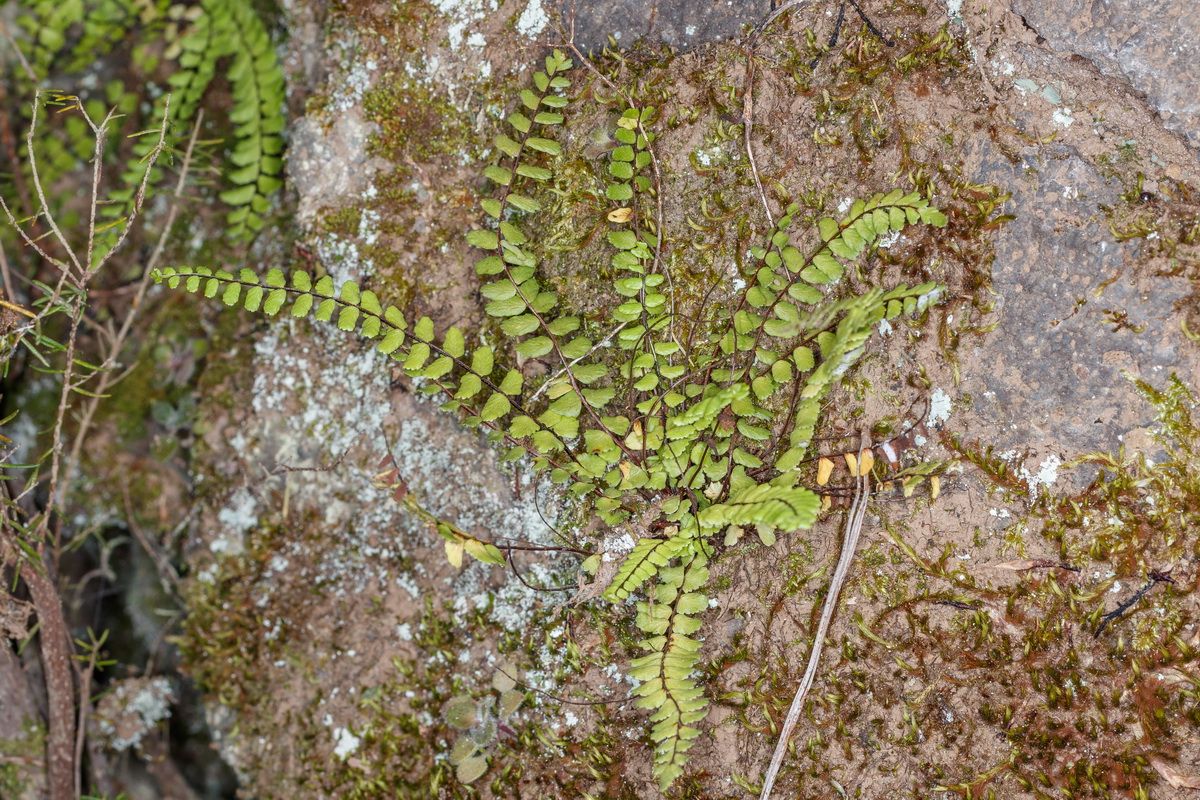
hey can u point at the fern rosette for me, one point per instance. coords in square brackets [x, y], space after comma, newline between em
[679, 444]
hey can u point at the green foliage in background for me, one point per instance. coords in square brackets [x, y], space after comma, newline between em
[675, 437]
[185, 46]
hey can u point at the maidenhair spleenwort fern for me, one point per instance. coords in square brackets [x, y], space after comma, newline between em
[686, 443]
[200, 39]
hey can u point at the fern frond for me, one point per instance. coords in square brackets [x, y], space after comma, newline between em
[666, 672]
[471, 382]
[257, 88]
[772, 507]
[643, 563]
[528, 311]
[226, 30]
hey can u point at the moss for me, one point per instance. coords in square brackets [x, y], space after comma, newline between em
[404, 738]
[416, 123]
[20, 759]
[1130, 519]
[223, 645]
[344, 221]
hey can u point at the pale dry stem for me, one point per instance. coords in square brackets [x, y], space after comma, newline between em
[854, 523]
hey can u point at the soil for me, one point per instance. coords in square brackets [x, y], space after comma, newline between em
[962, 659]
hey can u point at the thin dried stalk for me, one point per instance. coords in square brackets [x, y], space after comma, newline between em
[854, 523]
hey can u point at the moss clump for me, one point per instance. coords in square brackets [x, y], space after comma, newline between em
[416, 123]
[18, 769]
[411, 721]
[1084, 703]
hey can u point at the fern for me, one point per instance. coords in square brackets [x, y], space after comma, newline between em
[648, 556]
[95, 26]
[200, 39]
[695, 443]
[667, 686]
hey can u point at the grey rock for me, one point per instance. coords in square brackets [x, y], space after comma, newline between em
[683, 24]
[1152, 44]
[329, 163]
[1052, 374]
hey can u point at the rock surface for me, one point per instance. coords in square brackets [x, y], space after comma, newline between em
[1078, 311]
[1154, 45]
[1075, 266]
[682, 24]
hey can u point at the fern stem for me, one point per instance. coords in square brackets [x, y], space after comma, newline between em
[854, 525]
[567, 368]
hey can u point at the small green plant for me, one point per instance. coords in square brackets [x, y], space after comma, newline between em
[678, 421]
[481, 722]
[39, 514]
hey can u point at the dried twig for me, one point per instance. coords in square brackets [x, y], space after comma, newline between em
[12, 45]
[55, 642]
[748, 128]
[748, 97]
[85, 710]
[1155, 578]
[107, 379]
[854, 525]
[607, 340]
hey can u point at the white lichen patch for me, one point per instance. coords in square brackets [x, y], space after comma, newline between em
[342, 258]
[890, 238]
[940, 406]
[707, 156]
[533, 19]
[338, 392]
[237, 517]
[315, 399]
[1024, 85]
[1045, 475]
[358, 77]
[462, 14]
[346, 743]
[133, 709]
[1062, 117]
